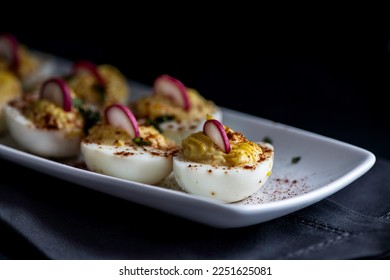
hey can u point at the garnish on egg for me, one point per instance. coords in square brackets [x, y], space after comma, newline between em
[120, 116]
[216, 132]
[267, 139]
[174, 110]
[85, 66]
[89, 67]
[57, 91]
[174, 89]
[90, 116]
[295, 160]
[141, 142]
[159, 120]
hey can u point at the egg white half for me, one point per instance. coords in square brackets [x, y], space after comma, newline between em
[226, 184]
[42, 142]
[140, 164]
[177, 131]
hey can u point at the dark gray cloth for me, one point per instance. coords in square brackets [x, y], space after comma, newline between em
[42, 217]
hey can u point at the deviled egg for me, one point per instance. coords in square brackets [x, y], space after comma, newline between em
[30, 68]
[119, 147]
[46, 125]
[98, 86]
[175, 109]
[10, 88]
[222, 164]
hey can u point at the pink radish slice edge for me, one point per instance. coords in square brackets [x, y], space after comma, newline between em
[121, 116]
[87, 66]
[57, 91]
[9, 47]
[174, 89]
[216, 132]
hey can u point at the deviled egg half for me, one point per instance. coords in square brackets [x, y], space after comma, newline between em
[30, 68]
[10, 88]
[98, 86]
[175, 109]
[119, 147]
[47, 124]
[222, 164]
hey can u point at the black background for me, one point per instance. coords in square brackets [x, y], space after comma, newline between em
[324, 74]
[331, 81]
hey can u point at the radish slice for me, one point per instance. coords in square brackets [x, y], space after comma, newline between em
[120, 116]
[9, 50]
[174, 89]
[57, 91]
[88, 67]
[216, 132]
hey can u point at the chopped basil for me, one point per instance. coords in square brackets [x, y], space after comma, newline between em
[90, 117]
[159, 120]
[268, 140]
[101, 90]
[295, 160]
[77, 103]
[162, 119]
[140, 142]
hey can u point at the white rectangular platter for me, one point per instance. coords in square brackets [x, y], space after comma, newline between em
[325, 167]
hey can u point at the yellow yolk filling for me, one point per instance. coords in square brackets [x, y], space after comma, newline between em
[155, 106]
[105, 134]
[46, 115]
[10, 87]
[199, 148]
[116, 89]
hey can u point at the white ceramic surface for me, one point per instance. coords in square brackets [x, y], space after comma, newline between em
[326, 166]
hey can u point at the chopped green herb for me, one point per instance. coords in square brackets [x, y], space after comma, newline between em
[101, 90]
[77, 103]
[295, 160]
[159, 120]
[90, 117]
[153, 123]
[140, 142]
[162, 119]
[268, 140]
